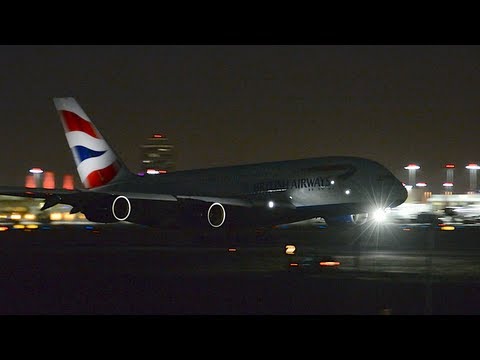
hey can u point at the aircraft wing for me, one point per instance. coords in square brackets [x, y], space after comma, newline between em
[109, 206]
[68, 196]
[39, 193]
[51, 196]
[77, 197]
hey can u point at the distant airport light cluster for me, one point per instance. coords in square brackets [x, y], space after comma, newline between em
[449, 183]
[38, 178]
[48, 180]
[449, 168]
[68, 182]
[412, 168]
[30, 182]
[158, 155]
[155, 171]
[34, 180]
[473, 176]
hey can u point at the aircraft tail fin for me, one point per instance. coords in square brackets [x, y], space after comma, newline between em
[97, 163]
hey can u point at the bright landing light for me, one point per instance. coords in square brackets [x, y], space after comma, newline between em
[379, 215]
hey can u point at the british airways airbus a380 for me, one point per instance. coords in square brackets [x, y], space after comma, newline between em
[243, 196]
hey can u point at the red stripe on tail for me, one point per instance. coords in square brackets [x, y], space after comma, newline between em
[73, 122]
[101, 177]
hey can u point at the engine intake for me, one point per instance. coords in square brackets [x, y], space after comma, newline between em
[121, 208]
[107, 210]
[216, 215]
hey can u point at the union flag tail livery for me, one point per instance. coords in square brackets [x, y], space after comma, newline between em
[97, 164]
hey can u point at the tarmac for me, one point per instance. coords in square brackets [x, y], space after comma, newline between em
[130, 270]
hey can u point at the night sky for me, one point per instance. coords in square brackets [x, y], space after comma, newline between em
[227, 105]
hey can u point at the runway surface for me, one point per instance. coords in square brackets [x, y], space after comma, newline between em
[130, 270]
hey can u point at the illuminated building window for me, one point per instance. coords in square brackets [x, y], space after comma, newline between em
[427, 194]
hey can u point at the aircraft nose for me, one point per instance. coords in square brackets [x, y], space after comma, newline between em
[400, 196]
[389, 192]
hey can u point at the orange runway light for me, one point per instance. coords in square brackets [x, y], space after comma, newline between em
[329, 263]
[293, 264]
[448, 228]
[232, 249]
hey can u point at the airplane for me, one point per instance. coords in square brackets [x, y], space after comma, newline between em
[340, 189]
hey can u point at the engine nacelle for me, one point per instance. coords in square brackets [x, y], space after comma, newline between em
[359, 219]
[188, 214]
[200, 214]
[99, 215]
[216, 215]
[108, 210]
[347, 220]
[121, 208]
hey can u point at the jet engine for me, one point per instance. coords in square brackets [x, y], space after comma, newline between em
[108, 210]
[347, 220]
[194, 213]
[216, 215]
